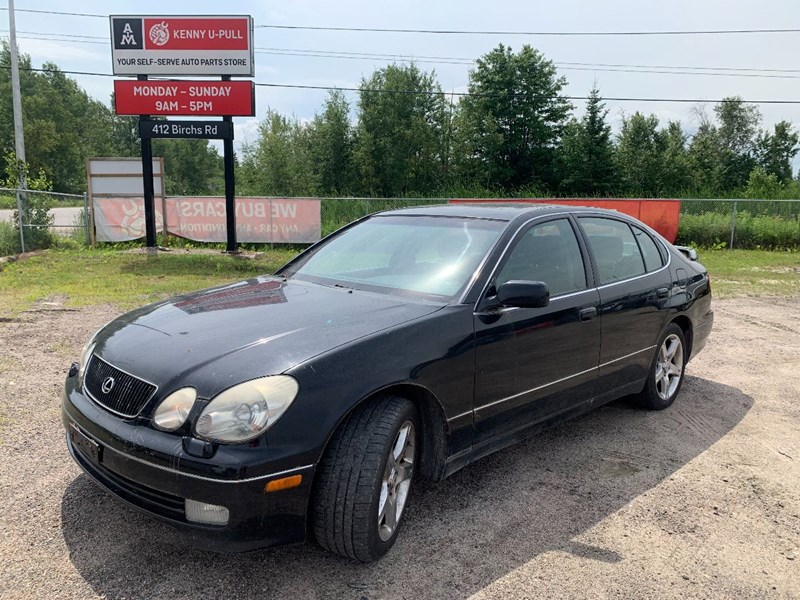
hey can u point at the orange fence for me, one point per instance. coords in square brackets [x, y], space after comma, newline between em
[661, 215]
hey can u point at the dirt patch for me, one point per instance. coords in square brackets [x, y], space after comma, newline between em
[701, 500]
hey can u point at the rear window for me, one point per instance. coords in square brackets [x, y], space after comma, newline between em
[614, 247]
[652, 257]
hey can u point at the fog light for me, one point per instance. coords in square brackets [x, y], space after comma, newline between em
[211, 514]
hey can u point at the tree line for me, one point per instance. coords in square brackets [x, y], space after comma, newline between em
[513, 133]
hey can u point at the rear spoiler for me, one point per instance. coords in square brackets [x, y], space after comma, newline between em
[688, 252]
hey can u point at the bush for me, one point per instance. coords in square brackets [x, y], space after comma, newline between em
[9, 239]
[711, 229]
[38, 214]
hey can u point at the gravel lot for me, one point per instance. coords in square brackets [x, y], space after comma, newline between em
[701, 500]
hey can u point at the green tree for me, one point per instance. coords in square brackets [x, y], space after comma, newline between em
[676, 173]
[62, 124]
[35, 207]
[738, 129]
[278, 163]
[587, 152]
[331, 146]
[761, 184]
[512, 122]
[776, 151]
[640, 155]
[400, 142]
[191, 167]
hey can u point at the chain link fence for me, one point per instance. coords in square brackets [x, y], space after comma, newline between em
[36, 216]
[704, 222]
[729, 223]
[740, 223]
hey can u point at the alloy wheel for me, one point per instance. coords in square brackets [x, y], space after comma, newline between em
[669, 367]
[396, 481]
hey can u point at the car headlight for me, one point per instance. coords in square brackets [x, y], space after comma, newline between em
[174, 409]
[245, 411]
[86, 354]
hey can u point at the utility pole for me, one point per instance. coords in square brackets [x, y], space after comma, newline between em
[19, 136]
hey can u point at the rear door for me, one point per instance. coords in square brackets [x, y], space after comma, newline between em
[534, 363]
[634, 285]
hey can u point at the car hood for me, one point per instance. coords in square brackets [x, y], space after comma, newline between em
[219, 337]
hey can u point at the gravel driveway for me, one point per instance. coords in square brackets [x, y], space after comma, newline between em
[701, 500]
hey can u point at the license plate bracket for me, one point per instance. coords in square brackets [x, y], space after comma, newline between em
[85, 445]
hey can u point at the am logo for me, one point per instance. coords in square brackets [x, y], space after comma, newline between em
[128, 34]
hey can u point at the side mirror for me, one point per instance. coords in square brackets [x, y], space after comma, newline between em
[524, 294]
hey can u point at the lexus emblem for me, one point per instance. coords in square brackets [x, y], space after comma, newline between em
[108, 385]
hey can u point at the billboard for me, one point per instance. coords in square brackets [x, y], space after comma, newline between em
[186, 98]
[278, 220]
[182, 45]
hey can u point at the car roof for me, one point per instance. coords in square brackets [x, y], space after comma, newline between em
[498, 211]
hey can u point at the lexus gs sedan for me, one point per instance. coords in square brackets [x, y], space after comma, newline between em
[407, 344]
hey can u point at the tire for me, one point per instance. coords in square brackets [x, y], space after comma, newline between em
[356, 479]
[666, 373]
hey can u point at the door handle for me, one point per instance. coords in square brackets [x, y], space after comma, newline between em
[587, 314]
[662, 293]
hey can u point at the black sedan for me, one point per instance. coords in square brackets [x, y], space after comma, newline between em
[407, 344]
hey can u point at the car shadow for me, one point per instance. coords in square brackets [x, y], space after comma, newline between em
[459, 536]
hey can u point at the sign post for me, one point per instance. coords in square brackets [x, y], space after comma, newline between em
[184, 46]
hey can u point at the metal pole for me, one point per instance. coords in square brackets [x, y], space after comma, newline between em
[148, 188]
[733, 224]
[19, 134]
[21, 223]
[230, 192]
[230, 186]
[86, 217]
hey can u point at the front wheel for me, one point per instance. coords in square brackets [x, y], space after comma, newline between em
[666, 373]
[364, 479]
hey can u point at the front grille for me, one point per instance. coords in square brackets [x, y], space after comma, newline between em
[127, 394]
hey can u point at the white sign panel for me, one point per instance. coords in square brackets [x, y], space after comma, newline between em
[182, 45]
[121, 177]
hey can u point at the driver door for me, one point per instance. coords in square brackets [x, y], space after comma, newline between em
[533, 364]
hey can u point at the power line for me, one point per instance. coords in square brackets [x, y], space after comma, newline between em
[55, 12]
[530, 33]
[465, 32]
[567, 66]
[442, 93]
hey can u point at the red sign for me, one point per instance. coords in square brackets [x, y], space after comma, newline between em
[170, 33]
[189, 98]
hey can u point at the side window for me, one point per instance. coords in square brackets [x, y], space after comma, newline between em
[652, 257]
[614, 248]
[547, 252]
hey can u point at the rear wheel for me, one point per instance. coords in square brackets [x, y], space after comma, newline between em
[365, 478]
[666, 373]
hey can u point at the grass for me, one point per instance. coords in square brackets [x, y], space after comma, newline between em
[752, 272]
[129, 279]
[126, 279]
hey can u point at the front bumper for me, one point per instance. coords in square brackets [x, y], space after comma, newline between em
[120, 465]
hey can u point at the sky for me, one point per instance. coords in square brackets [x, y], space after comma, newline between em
[754, 51]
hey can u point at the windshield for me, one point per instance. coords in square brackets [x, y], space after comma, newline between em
[428, 256]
